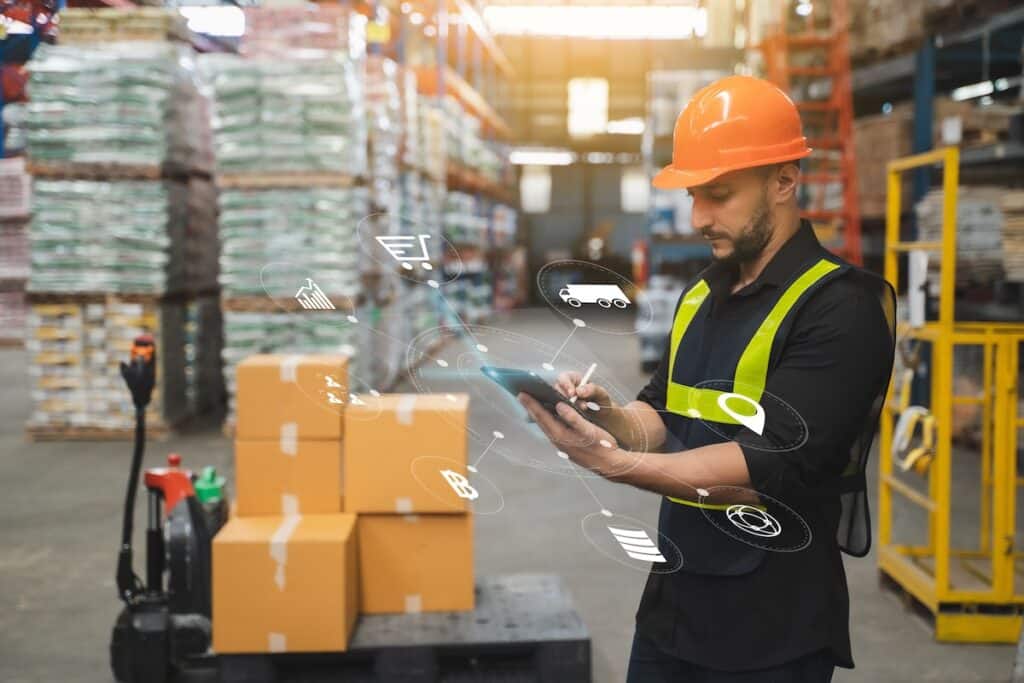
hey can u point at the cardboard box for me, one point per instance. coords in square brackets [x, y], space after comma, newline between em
[289, 398]
[397, 448]
[285, 584]
[415, 563]
[271, 477]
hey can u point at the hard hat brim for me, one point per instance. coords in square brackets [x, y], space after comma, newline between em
[672, 178]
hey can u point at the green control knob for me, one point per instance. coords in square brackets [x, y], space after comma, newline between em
[209, 486]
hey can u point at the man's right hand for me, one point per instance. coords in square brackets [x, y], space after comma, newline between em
[568, 384]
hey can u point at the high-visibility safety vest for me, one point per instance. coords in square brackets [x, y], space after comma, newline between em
[751, 375]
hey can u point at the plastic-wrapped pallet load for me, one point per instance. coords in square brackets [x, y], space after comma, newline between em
[96, 236]
[128, 103]
[384, 114]
[276, 31]
[434, 135]
[979, 231]
[286, 115]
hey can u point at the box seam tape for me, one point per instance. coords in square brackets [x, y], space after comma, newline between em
[290, 368]
[404, 409]
[289, 438]
[281, 536]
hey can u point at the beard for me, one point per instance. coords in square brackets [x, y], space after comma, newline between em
[753, 238]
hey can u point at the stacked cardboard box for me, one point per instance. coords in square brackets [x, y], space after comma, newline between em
[406, 479]
[285, 574]
[1012, 204]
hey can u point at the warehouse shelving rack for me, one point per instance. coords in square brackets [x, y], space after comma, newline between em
[972, 594]
[829, 117]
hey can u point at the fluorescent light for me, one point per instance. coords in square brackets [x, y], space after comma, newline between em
[631, 126]
[634, 22]
[1002, 84]
[406, 7]
[416, 18]
[968, 92]
[804, 9]
[429, 30]
[588, 106]
[541, 156]
[215, 20]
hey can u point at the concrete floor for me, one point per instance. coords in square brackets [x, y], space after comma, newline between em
[60, 510]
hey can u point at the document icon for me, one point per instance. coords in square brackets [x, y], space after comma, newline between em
[312, 297]
[637, 544]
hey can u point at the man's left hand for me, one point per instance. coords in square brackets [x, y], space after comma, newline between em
[585, 443]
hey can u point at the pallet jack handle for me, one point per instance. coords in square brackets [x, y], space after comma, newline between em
[140, 376]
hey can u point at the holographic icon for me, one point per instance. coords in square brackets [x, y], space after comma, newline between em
[754, 423]
[637, 544]
[753, 521]
[312, 298]
[604, 296]
[403, 249]
[460, 485]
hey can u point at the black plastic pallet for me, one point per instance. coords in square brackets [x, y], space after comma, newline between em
[524, 630]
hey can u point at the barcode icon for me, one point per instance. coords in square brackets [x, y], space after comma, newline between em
[637, 544]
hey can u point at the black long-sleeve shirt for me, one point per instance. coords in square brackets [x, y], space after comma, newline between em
[834, 362]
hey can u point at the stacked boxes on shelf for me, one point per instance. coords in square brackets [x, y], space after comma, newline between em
[285, 569]
[276, 31]
[122, 235]
[14, 252]
[415, 527]
[979, 231]
[384, 113]
[74, 351]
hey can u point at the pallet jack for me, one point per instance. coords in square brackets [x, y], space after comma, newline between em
[164, 628]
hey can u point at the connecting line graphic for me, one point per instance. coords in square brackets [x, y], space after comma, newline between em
[604, 511]
[479, 347]
[576, 324]
[497, 435]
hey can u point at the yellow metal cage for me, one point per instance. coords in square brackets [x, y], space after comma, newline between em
[969, 591]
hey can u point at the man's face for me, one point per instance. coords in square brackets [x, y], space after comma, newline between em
[733, 213]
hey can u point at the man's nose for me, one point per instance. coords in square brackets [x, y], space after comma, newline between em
[700, 216]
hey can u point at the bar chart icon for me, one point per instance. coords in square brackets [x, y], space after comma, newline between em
[637, 544]
[311, 297]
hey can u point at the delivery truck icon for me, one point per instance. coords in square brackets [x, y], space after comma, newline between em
[604, 296]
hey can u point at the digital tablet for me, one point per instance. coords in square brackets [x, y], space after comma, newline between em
[523, 381]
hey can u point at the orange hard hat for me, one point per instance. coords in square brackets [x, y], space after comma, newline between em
[736, 122]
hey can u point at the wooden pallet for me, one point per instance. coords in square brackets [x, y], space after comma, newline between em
[264, 181]
[83, 170]
[157, 432]
[37, 297]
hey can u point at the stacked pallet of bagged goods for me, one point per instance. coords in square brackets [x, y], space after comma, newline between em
[121, 238]
[290, 140]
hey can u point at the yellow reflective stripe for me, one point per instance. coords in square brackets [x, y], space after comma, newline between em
[691, 302]
[711, 506]
[752, 367]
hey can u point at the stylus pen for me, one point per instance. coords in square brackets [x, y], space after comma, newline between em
[586, 378]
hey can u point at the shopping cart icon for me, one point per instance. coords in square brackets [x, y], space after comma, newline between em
[403, 248]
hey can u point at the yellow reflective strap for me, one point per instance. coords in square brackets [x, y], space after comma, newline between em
[752, 367]
[691, 302]
[711, 506]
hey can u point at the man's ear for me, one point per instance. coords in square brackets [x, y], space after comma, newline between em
[785, 181]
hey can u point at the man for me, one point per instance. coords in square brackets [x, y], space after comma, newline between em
[780, 320]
